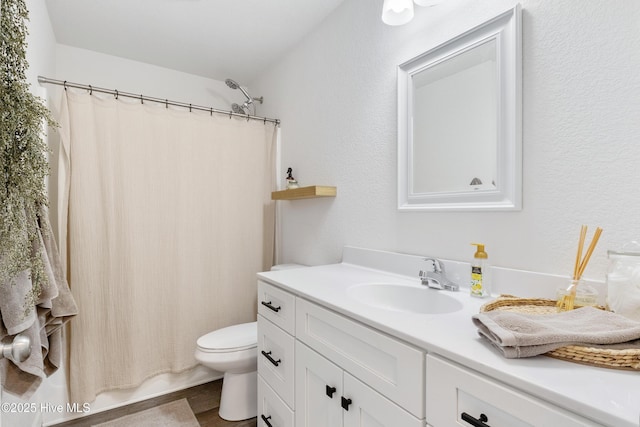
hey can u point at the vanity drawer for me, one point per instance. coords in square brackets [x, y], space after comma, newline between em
[277, 305]
[387, 365]
[453, 390]
[272, 411]
[276, 359]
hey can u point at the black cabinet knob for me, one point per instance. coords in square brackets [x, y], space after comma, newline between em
[345, 403]
[330, 390]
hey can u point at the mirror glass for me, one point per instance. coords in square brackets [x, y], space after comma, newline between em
[459, 136]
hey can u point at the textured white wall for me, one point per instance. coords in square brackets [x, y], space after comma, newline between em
[336, 95]
[111, 72]
[41, 48]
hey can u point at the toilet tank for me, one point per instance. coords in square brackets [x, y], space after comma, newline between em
[278, 267]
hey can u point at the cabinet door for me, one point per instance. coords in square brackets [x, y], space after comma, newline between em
[370, 409]
[272, 411]
[275, 359]
[318, 390]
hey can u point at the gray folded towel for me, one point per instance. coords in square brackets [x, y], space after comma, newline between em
[42, 322]
[525, 335]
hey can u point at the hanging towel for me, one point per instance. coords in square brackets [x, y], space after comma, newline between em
[519, 335]
[43, 320]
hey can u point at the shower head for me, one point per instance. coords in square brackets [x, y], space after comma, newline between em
[238, 109]
[234, 85]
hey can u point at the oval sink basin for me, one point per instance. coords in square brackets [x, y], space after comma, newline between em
[404, 298]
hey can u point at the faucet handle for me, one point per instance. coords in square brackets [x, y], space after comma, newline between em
[438, 266]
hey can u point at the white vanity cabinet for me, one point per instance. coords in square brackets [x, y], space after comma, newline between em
[329, 327]
[458, 396]
[276, 329]
[350, 375]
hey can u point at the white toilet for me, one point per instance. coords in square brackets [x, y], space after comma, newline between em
[233, 351]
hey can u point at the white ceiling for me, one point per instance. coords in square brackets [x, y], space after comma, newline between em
[217, 39]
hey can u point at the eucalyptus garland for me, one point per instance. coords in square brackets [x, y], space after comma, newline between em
[23, 156]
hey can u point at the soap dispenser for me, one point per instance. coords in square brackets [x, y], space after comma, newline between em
[480, 272]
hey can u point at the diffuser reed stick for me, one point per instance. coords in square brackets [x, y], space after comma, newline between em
[583, 236]
[567, 300]
[592, 246]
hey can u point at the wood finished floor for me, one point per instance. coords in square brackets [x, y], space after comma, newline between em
[203, 399]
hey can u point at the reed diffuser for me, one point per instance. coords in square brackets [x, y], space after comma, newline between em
[566, 300]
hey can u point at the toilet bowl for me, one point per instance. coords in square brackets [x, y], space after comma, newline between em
[233, 351]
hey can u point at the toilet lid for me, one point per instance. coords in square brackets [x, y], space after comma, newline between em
[236, 337]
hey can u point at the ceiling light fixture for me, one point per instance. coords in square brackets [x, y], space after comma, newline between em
[400, 12]
[397, 12]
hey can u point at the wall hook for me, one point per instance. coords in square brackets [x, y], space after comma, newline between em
[19, 350]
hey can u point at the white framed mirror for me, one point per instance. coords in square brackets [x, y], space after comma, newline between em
[460, 121]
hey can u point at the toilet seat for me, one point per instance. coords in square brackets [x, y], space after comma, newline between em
[230, 339]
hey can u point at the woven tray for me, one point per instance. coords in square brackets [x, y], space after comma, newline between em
[627, 359]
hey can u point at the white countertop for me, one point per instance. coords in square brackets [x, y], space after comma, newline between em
[607, 396]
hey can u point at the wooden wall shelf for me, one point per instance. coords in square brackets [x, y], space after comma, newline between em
[304, 193]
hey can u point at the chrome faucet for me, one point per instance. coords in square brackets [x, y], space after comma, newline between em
[437, 278]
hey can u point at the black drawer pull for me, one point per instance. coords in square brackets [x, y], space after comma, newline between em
[269, 306]
[475, 422]
[266, 420]
[330, 390]
[345, 403]
[271, 359]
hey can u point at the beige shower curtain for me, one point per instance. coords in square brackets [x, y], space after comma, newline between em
[168, 217]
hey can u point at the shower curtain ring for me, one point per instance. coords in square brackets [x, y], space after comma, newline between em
[116, 93]
[166, 103]
[141, 101]
[189, 107]
[65, 85]
[265, 121]
[211, 111]
[90, 90]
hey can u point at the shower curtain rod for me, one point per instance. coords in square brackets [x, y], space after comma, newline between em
[142, 98]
